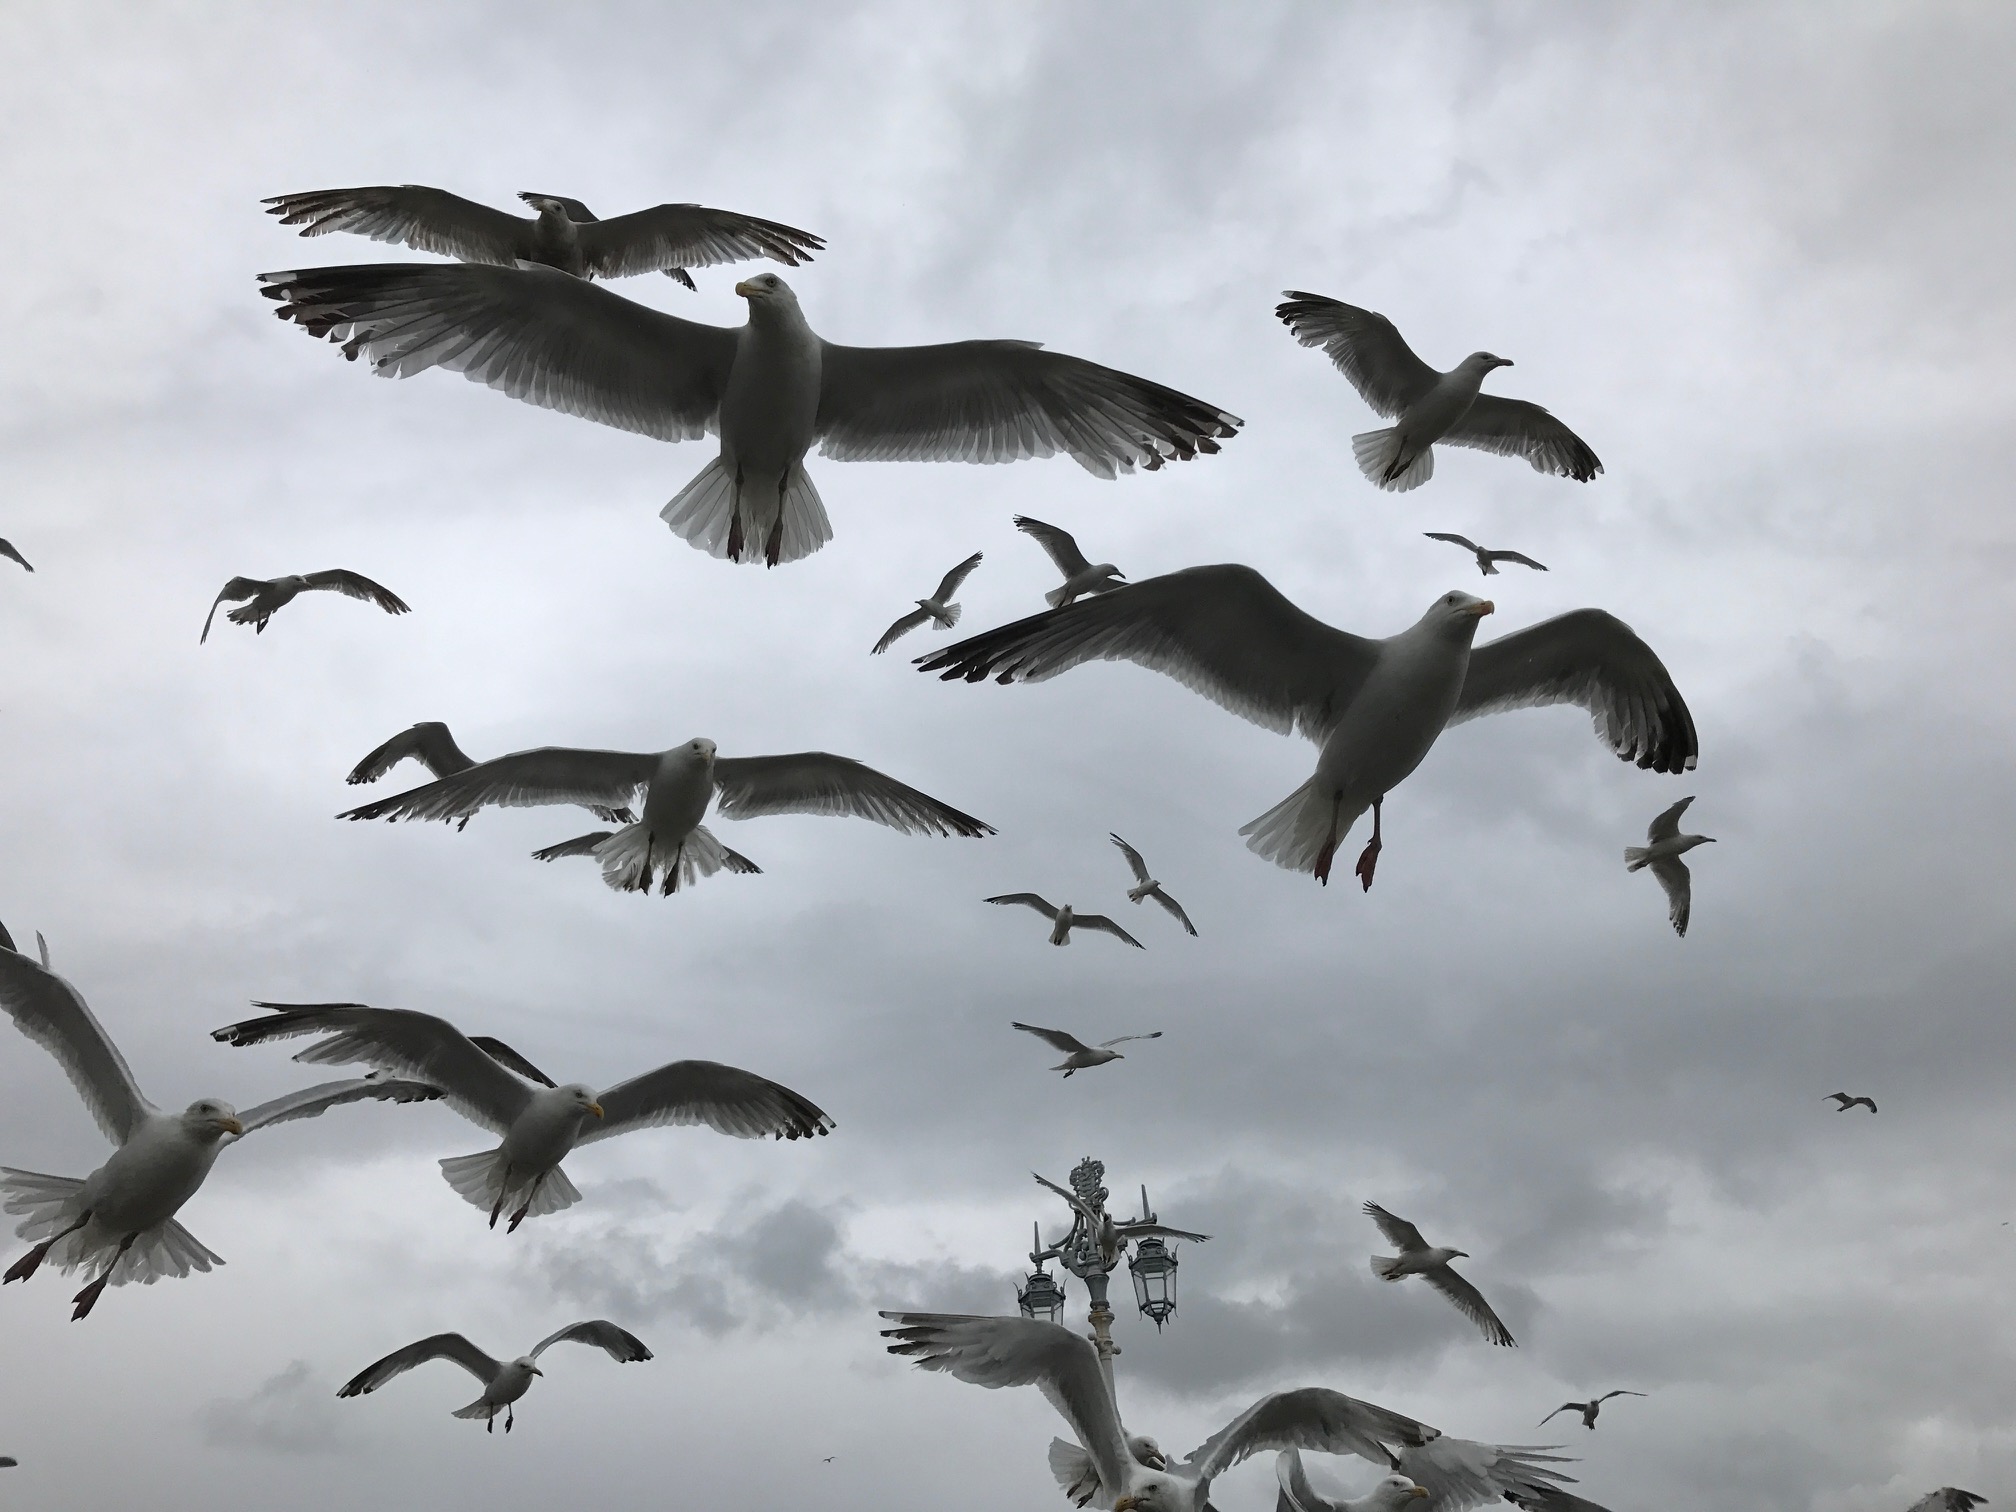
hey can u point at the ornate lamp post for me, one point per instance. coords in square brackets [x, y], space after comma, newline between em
[1093, 1250]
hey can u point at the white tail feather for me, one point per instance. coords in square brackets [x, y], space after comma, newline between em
[1386, 1267]
[1056, 596]
[1378, 451]
[479, 1181]
[477, 1409]
[631, 859]
[1293, 833]
[704, 513]
[952, 613]
[50, 1205]
[1636, 857]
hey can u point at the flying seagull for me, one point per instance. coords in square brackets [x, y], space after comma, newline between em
[1375, 707]
[539, 1126]
[1064, 920]
[1430, 1262]
[1844, 1101]
[1113, 1235]
[938, 607]
[504, 1381]
[1080, 576]
[1588, 1409]
[1145, 886]
[1079, 1056]
[1947, 1499]
[675, 788]
[1451, 1475]
[1102, 1468]
[1488, 557]
[1428, 405]
[1664, 846]
[7, 550]
[562, 232]
[1297, 1495]
[771, 389]
[121, 1218]
[267, 596]
[430, 744]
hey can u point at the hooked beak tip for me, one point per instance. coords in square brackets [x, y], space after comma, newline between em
[596, 1109]
[745, 289]
[231, 1126]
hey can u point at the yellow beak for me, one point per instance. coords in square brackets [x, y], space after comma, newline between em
[596, 1109]
[1124, 1504]
[1421, 1490]
[745, 289]
[230, 1126]
[1481, 608]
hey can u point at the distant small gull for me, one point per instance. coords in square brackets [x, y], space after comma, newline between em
[1430, 1262]
[1947, 1499]
[1080, 576]
[562, 233]
[1488, 557]
[504, 1381]
[7, 550]
[675, 788]
[1588, 1409]
[938, 607]
[1428, 405]
[1063, 920]
[122, 1216]
[269, 595]
[1662, 852]
[539, 1127]
[1145, 886]
[1079, 1056]
[1375, 707]
[1845, 1102]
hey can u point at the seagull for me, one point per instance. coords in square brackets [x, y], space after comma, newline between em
[1842, 1098]
[1663, 848]
[1080, 576]
[562, 233]
[7, 550]
[430, 744]
[1428, 405]
[1588, 1409]
[938, 607]
[1375, 707]
[121, 1217]
[539, 1127]
[1101, 1467]
[504, 1381]
[1450, 1474]
[269, 595]
[771, 389]
[1079, 1056]
[675, 787]
[1297, 1495]
[1418, 1257]
[1947, 1499]
[1147, 887]
[1063, 920]
[1488, 558]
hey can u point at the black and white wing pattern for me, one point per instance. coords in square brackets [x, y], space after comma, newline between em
[1312, 1417]
[7, 550]
[427, 742]
[673, 237]
[232, 592]
[1397, 1231]
[1365, 346]
[813, 782]
[1057, 1039]
[313, 1102]
[1520, 428]
[950, 583]
[410, 215]
[599, 780]
[901, 628]
[1947, 1499]
[443, 1346]
[726, 1099]
[1029, 900]
[1469, 1302]
[1667, 825]
[1678, 881]
[1462, 1473]
[357, 586]
[1059, 545]
[55, 1016]
[622, 1346]
[1104, 925]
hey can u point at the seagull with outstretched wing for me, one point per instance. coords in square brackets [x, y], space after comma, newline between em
[1079, 1056]
[938, 607]
[538, 1126]
[265, 597]
[1488, 557]
[1842, 1101]
[504, 1381]
[1145, 885]
[1080, 576]
[1450, 1475]
[1588, 1409]
[1063, 918]
[1430, 1262]
[430, 744]
[1664, 846]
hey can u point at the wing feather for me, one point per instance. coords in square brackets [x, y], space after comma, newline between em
[688, 236]
[427, 742]
[949, 584]
[813, 782]
[524, 779]
[444, 1346]
[55, 1016]
[1469, 1302]
[726, 1099]
[357, 586]
[1057, 1039]
[1365, 346]
[1059, 545]
[622, 1346]
[1312, 1417]
[901, 628]
[312, 1102]
[410, 215]
[1520, 428]
[1398, 1231]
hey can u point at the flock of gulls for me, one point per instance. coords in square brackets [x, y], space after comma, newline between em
[519, 308]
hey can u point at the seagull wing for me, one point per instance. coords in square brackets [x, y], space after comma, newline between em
[510, 1059]
[1142, 875]
[1123, 1039]
[1398, 1231]
[427, 742]
[1551, 1499]
[812, 782]
[1460, 1473]
[1175, 909]
[1364, 345]
[312, 1102]
[1454, 540]
[1139, 1229]
[1667, 825]
[726, 1099]
[901, 628]
[1519, 428]
[533, 332]
[1106, 926]
[688, 236]
[7, 550]
[573, 209]
[1591, 659]
[580, 845]
[997, 1352]
[395, 1040]
[1057, 1039]
[622, 1346]
[446, 1346]
[1469, 1302]
[1029, 900]
[949, 584]
[1565, 1407]
[1517, 556]
[1312, 1417]
[55, 1016]
[1225, 632]
[238, 588]
[1296, 1494]
[357, 586]
[1059, 545]
[1679, 884]
[1609, 1394]
[1002, 401]
[1077, 1203]
[524, 779]
[1947, 1499]
[410, 215]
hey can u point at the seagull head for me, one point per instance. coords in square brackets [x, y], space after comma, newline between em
[1457, 614]
[527, 1364]
[211, 1119]
[701, 747]
[581, 1098]
[1484, 362]
[544, 204]
[1156, 1491]
[1144, 1448]
[1391, 1494]
[766, 289]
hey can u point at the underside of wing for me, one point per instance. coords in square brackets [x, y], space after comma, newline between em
[1365, 346]
[813, 782]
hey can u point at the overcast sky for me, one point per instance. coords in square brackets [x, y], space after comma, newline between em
[1757, 256]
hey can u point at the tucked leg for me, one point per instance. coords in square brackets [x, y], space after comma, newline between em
[519, 1216]
[29, 1263]
[88, 1298]
[1329, 852]
[503, 1191]
[1370, 856]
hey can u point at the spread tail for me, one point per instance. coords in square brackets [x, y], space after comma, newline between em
[1378, 454]
[479, 1181]
[1386, 1267]
[1303, 830]
[476, 1409]
[50, 1204]
[1056, 596]
[631, 859]
[1636, 857]
[757, 521]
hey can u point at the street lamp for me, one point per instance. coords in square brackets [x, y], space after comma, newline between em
[1154, 1269]
[1041, 1297]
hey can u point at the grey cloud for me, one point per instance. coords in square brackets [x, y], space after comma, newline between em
[292, 1412]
